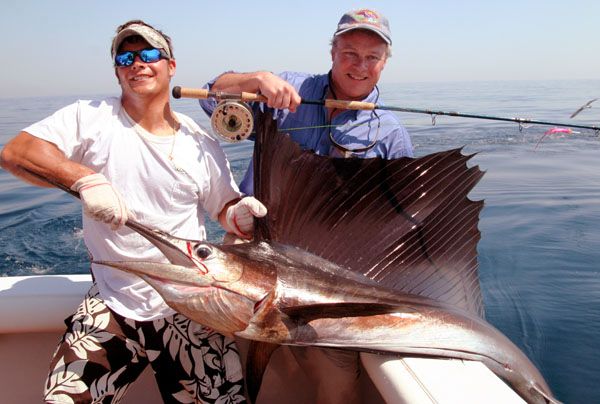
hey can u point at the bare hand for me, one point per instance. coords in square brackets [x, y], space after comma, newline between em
[280, 94]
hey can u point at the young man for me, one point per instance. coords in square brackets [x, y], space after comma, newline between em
[360, 48]
[133, 157]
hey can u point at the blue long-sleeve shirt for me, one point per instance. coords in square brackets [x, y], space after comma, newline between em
[352, 129]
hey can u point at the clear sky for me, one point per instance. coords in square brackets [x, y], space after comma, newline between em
[61, 47]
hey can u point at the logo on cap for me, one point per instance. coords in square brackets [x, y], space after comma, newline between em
[366, 16]
[365, 19]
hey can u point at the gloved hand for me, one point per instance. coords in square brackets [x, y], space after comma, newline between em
[240, 216]
[101, 201]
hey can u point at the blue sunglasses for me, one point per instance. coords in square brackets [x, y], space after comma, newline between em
[149, 55]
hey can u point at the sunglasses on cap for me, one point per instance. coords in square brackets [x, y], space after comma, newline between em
[148, 55]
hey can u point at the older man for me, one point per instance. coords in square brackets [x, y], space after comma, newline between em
[132, 156]
[360, 48]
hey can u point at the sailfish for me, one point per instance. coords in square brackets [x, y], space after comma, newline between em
[368, 255]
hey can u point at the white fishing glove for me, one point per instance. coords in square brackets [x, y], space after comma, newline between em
[240, 217]
[101, 201]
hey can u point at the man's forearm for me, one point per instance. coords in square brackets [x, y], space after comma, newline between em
[279, 93]
[238, 82]
[42, 157]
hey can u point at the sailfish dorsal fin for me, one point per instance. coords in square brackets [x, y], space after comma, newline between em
[405, 223]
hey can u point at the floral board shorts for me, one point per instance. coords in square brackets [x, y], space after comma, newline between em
[102, 353]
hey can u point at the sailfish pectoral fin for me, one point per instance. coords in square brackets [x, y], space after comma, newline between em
[259, 354]
[311, 312]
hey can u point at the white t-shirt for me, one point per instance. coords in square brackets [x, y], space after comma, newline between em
[168, 194]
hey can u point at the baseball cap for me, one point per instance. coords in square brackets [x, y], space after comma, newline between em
[365, 19]
[150, 35]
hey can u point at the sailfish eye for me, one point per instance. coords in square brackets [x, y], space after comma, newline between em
[203, 251]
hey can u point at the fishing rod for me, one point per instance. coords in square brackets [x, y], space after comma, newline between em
[233, 119]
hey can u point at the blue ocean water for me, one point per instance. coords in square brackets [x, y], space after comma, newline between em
[540, 247]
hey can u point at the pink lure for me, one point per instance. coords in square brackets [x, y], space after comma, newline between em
[558, 130]
[552, 131]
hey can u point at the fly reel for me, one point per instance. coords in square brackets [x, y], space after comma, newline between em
[232, 121]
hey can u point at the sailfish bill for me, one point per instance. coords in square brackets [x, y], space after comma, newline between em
[376, 256]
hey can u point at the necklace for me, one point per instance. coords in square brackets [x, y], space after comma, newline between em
[175, 130]
[146, 137]
[171, 155]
